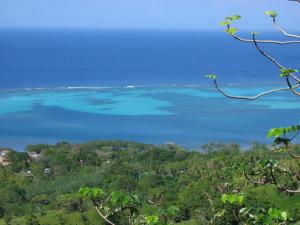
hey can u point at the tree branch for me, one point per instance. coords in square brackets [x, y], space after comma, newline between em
[265, 41]
[254, 181]
[274, 61]
[103, 217]
[294, 155]
[277, 27]
[295, 1]
[254, 97]
[291, 87]
[289, 190]
[273, 176]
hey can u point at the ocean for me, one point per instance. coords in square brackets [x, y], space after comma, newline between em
[147, 86]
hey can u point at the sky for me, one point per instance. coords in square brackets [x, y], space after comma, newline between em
[146, 14]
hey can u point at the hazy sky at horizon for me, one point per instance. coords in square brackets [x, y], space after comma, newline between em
[162, 14]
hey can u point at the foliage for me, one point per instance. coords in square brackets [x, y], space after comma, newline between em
[166, 184]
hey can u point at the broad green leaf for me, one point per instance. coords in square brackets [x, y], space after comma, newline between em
[126, 199]
[96, 192]
[279, 131]
[284, 216]
[278, 214]
[115, 196]
[240, 199]
[150, 220]
[224, 198]
[231, 198]
[84, 191]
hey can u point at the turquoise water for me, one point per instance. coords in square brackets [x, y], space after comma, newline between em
[189, 116]
[123, 103]
[128, 102]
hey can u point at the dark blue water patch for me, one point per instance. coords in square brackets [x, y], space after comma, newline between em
[193, 119]
[51, 58]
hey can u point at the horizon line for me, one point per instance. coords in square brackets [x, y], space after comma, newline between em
[130, 29]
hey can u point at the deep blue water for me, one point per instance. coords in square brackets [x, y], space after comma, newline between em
[171, 99]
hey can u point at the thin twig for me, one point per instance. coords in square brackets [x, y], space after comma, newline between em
[277, 27]
[104, 217]
[254, 181]
[294, 155]
[274, 61]
[265, 41]
[290, 190]
[295, 1]
[273, 176]
[291, 87]
[253, 97]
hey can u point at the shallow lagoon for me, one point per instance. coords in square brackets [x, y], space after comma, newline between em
[189, 116]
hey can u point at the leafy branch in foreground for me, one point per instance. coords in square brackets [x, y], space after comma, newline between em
[234, 205]
[269, 171]
[116, 204]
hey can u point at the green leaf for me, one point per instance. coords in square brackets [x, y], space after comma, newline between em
[225, 23]
[280, 131]
[240, 199]
[150, 220]
[284, 216]
[276, 132]
[287, 72]
[236, 17]
[231, 31]
[232, 18]
[96, 192]
[173, 210]
[277, 214]
[233, 198]
[212, 76]
[224, 198]
[272, 13]
[229, 19]
[115, 196]
[126, 199]
[84, 191]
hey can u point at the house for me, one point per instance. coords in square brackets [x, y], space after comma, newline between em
[28, 173]
[47, 170]
[4, 157]
[34, 155]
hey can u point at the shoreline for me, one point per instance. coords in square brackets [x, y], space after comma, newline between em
[198, 147]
